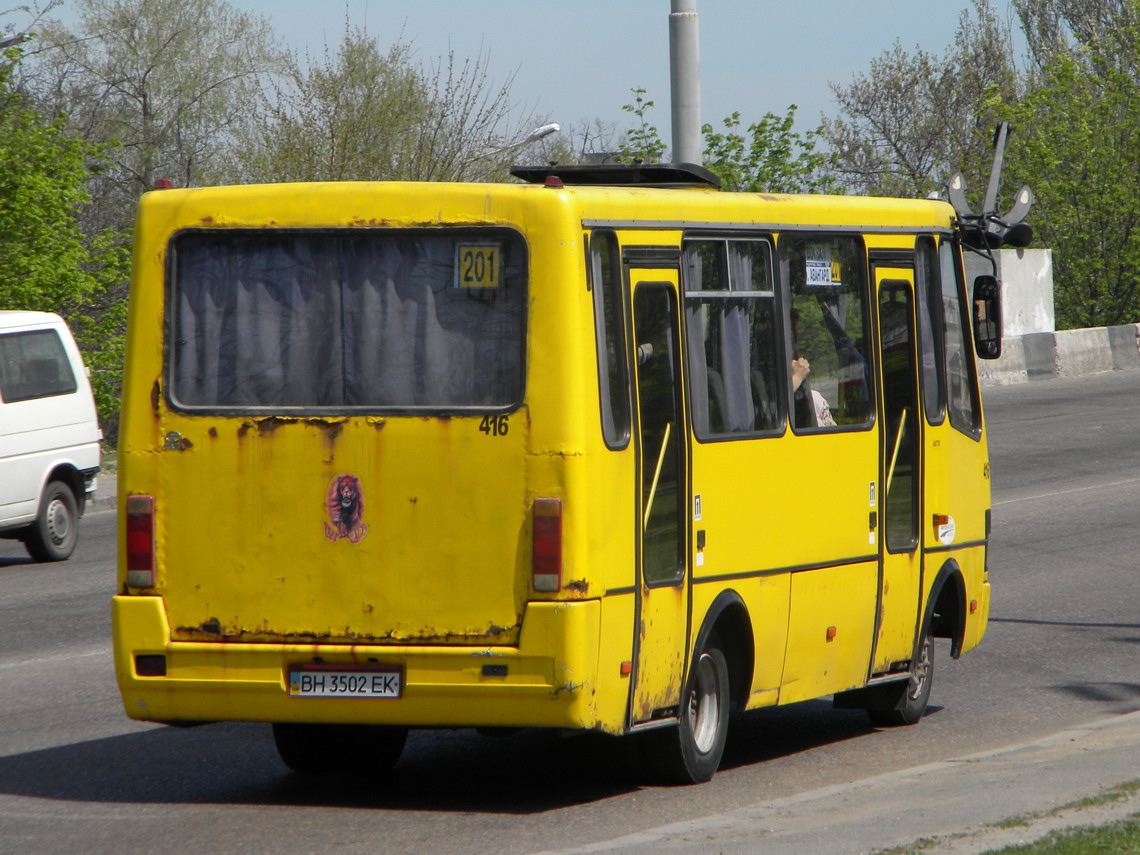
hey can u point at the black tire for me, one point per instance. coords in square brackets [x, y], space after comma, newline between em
[691, 752]
[53, 535]
[913, 699]
[339, 749]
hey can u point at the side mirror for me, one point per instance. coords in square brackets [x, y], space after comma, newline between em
[987, 317]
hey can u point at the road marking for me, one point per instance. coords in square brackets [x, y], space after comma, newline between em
[48, 660]
[1055, 493]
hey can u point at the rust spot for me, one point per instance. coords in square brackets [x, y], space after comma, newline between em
[580, 586]
[155, 394]
[270, 424]
[212, 630]
[174, 441]
[207, 221]
[332, 429]
[243, 429]
[213, 433]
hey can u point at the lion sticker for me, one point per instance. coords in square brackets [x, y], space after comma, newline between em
[345, 503]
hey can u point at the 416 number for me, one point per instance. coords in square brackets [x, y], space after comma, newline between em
[494, 425]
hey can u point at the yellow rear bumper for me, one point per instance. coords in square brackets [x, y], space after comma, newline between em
[548, 680]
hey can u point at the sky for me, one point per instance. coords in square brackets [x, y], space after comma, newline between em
[577, 60]
[574, 61]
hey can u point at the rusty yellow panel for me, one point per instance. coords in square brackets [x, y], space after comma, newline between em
[548, 680]
[767, 599]
[831, 630]
[972, 562]
[615, 650]
[349, 529]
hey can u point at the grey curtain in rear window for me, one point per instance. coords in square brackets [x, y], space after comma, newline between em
[336, 321]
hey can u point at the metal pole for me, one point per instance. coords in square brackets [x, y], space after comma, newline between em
[685, 78]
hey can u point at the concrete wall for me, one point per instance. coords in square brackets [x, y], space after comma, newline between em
[1026, 288]
[1065, 353]
[1032, 347]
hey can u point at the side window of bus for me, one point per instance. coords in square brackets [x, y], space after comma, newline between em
[962, 393]
[613, 376]
[731, 317]
[829, 372]
[930, 345]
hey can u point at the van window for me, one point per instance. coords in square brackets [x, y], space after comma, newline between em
[336, 320]
[826, 279]
[34, 365]
[730, 311]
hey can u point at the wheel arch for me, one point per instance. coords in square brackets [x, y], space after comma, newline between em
[946, 609]
[728, 617]
[69, 474]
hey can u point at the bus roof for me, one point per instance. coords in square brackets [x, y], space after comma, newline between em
[427, 204]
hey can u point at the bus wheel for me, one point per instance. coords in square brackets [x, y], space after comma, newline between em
[53, 535]
[690, 753]
[339, 749]
[912, 701]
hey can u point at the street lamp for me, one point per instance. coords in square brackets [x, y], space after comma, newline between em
[539, 133]
[535, 135]
[23, 37]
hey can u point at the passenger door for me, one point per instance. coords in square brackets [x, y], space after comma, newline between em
[662, 487]
[901, 468]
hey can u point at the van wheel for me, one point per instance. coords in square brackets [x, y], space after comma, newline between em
[911, 705]
[690, 753]
[339, 749]
[53, 535]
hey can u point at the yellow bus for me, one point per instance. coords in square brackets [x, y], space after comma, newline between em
[607, 450]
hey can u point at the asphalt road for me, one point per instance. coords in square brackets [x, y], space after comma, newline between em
[77, 776]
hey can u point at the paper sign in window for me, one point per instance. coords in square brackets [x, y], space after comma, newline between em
[822, 269]
[477, 265]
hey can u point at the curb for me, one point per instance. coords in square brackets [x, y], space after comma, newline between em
[950, 806]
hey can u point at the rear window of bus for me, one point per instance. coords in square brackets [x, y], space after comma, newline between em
[342, 320]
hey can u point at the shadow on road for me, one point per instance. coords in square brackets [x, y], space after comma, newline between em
[528, 772]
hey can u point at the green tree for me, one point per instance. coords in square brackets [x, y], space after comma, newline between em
[366, 114]
[353, 115]
[170, 80]
[914, 119]
[642, 143]
[1077, 147]
[47, 263]
[769, 156]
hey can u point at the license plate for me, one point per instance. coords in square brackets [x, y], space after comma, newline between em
[315, 681]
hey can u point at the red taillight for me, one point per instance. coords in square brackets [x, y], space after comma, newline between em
[140, 541]
[546, 554]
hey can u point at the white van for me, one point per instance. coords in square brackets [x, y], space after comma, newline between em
[49, 434]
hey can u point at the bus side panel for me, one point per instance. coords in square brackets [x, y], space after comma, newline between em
[776, 508]
[829, 643]
[740, 518]
[766, 599]
[822, 504]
